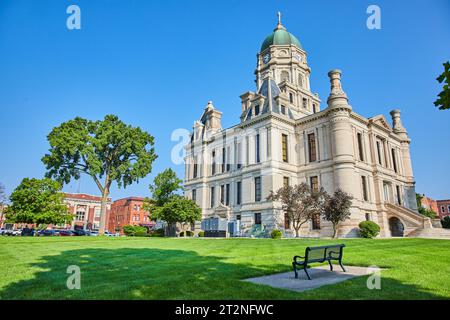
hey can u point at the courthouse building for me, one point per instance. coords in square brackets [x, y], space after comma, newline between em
[288, 135]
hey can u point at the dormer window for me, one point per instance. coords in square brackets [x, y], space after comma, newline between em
[256, 110]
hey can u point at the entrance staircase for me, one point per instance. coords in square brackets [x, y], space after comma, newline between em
[417, 225]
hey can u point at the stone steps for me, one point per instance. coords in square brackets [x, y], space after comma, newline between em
[432, 233]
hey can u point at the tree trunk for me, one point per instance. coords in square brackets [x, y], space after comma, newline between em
[103, 210]
[297, 234]
[334, 231]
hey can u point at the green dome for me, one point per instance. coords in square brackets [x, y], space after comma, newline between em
[280, 37]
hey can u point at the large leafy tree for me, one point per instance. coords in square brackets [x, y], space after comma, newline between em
[178, 209]
[300, 203]
[337, 209]
[107, 150]
[443, 102]
[38, 201]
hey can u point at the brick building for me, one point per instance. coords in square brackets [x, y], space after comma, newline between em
[443, 208]
[429, 204]
[128, 211]
[86, 210]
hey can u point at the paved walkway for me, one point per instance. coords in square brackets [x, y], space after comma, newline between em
[321, 276]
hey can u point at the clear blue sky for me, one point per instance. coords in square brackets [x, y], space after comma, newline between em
[156, 64]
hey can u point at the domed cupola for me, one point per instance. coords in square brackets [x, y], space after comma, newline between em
[280, 36]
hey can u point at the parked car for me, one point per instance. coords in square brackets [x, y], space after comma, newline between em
[66, 233]
[11, 232]
[46, 233]
[28, 232]
[93, 233]
[109, 234]
[2, 231]
[80, 232]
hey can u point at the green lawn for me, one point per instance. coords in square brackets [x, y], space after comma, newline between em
[157, 268]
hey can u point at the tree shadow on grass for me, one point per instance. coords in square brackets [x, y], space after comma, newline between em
[141, 273]
[130, 273]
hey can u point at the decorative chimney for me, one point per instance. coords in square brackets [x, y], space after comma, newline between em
[397, 122]
[337, 98]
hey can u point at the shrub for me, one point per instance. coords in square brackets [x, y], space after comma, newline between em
[132, 231]
[276, 234]
[369, 229]
[201, 234]
[157, 233]
[446, 222]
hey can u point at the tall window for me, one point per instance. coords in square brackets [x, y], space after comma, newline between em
[367, 216]
[305, 103]
[314, 183]
[284, 147]
[238, 192]
[316, 222]
[213, 197]
[312, 147]
[394, 160]
[399, 195]
[285, 181]
[195, 168]
[227, 194]
[256, 110]
[222, 194]
[224, 155]
[194, 195]
[80, 215]
[239, 155]
[314, 108]
[283, 109]
[257, 218]
[287, 222]
[258, 157]
[360, 146]
[97, 211]
[364, 188]
[228, 160]
[257, 189]
[379, 153]
[213, 163]
[291, 97]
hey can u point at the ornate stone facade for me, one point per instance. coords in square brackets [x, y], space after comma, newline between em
[284, 136]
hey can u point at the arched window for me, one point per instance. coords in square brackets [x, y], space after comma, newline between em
[300, 80]
[284, 76]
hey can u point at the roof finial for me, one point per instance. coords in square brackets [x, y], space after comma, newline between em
[279, 26]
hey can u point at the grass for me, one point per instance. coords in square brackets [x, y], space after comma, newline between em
[159, 268]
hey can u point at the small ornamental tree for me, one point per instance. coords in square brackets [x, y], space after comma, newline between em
[108, 151]
[299, 203]
[178, 209]
[38, 201]
[337, 209]
[443, 102]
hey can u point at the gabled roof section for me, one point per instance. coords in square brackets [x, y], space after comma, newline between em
[381, 121]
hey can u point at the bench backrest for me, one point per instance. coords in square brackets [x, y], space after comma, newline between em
[320, 254]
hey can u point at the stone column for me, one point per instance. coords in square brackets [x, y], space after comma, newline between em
[341, 136]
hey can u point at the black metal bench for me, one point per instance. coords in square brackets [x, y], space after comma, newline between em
[319, 255]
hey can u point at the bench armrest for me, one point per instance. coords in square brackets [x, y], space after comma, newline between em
[330, 255]
[296, 257]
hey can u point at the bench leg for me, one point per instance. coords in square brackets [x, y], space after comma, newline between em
[295, 270]
[306, 271]
[331, 265]
[342, 266]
